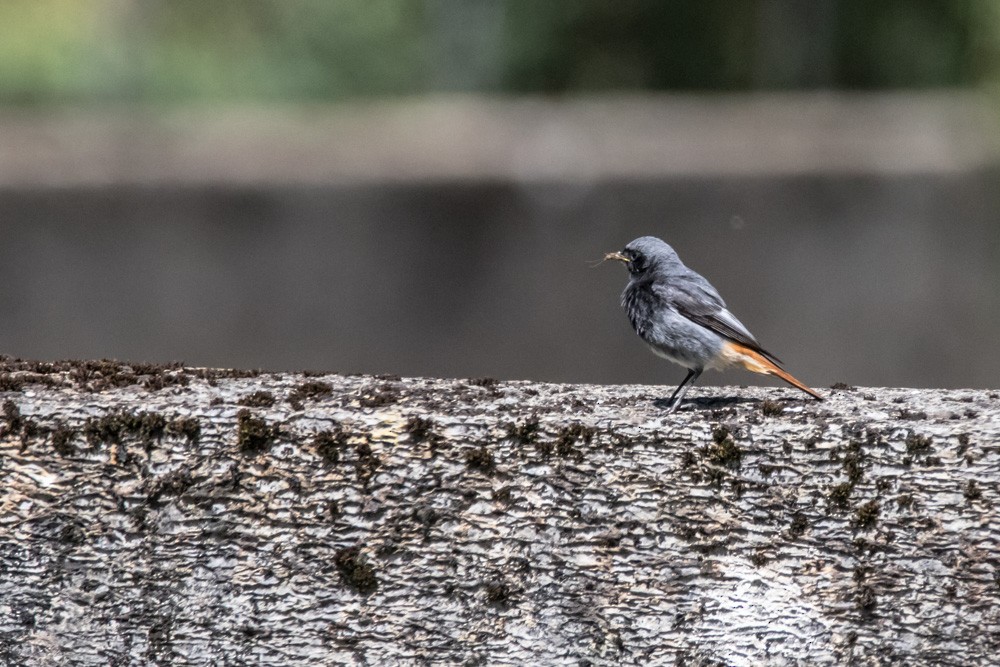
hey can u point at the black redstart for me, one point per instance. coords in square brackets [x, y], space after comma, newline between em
[683, 319]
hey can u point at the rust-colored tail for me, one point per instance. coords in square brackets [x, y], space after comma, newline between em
[758, 363]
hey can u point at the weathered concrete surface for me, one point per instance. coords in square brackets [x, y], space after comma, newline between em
[378, 520]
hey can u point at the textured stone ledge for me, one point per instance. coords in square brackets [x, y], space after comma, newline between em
[155, 514]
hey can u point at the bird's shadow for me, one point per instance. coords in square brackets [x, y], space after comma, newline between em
[706, 403]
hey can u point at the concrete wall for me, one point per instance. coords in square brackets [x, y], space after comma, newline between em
[886, 274]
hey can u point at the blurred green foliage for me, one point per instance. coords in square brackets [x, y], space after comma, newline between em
[192, 50]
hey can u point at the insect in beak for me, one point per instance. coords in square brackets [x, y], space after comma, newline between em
[618, 256]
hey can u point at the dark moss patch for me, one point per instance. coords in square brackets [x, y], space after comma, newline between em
[62, 440]
[504, 495]
[867, 600]
[853, 462]
[355, 570]
[723, 451]
[918, 444]
[147, 427]
[253, 434]
[688, 459]
[484, 382]
[188, 427]
[759, 558]
[422, 430]
[481, 459]
[106, 374]
[312, 390]
[58, 528]
[379, 396]
[842, 386]
[972, 491]
[770, 408]
[225, 373]
[101, 430]
[11, 421]
[30, 429]
[610, 539]
[571, 435]
[11, 383]
[499, 592]
[148, 368]
[912, 415]
[253, 632]
[43, 367]
[524, 433]
[867, 515]
[840, 495]
[102, 374]
[799, 525]
[71, 532]
[90, 375]
[367, 463]
[425, 517]
[174, 483]
[330, 444]
[165, 380]
[258, 399]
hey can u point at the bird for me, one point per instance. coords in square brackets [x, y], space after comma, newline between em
[682, 318]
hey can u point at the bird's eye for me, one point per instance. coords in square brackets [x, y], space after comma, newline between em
[637, 264]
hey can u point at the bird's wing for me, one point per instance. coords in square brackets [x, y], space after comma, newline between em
[695, 298]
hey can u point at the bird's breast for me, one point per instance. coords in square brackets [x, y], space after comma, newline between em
[668, 333]
[641, 306]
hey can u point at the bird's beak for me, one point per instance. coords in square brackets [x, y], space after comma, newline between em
[617, 255]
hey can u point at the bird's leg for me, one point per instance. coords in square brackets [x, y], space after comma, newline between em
[678, 395]
[681, 385]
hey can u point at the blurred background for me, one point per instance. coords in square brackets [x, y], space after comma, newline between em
[420, 187]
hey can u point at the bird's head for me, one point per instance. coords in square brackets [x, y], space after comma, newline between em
[645, 255]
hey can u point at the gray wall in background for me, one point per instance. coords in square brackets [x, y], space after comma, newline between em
[856, 235]
[870, 280]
